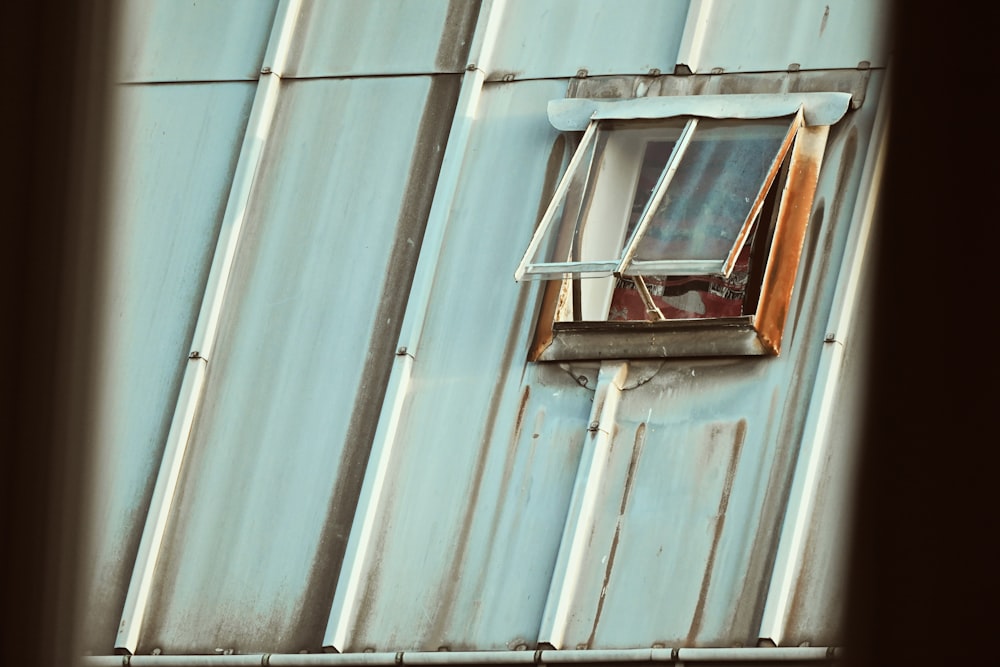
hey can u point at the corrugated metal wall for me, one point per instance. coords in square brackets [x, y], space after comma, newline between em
[295, 478]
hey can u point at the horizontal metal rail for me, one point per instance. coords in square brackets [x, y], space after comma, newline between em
[819, 655]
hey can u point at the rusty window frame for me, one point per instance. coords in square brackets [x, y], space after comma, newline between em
[558, 336]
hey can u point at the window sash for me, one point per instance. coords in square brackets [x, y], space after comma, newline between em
[577, 177]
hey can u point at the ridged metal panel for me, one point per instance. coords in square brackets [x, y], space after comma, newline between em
[175, 154]
[381, 37]
[467, 481]
[560, 38]
[249, 560]
[819, 598]
[772, 36]
[694, 496]
[165, 40]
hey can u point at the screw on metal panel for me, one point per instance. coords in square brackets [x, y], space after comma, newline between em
[830, 338]
[593, 426]
[195, 355]
[716, 70]
[521, 647]
[402, 352]
[156, 651]
[470, 67]
[265, 70]
[508, 77]
[654, 72]
[581, 74]
[794, 67]
[864, 64]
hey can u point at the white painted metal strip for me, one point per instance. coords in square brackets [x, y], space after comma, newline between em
[574, 114]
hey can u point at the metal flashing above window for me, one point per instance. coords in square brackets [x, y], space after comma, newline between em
[818, 108]
[681, 214]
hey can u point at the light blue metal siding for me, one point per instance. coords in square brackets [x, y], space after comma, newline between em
[379, 37]
[247, 555]
[772, 36]
[553, 39]
[174, 160]
[428, 579]
[212, 40]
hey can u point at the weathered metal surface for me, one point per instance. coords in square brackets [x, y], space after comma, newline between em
[784, 35]
[805, 600]
[175, 152]
[479, 463]
[246, 561]
[642, 340]
[382, 37]
[589, 37]
[852, 81]
[819, 108]
[164, 40]
[719, 657]
[448, 504]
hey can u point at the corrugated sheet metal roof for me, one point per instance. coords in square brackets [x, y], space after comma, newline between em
[163, 40]
[786, 34]
[560, 38]
[176, 150]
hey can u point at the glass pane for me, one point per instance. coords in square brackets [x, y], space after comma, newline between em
[628, 161]
[713, 191]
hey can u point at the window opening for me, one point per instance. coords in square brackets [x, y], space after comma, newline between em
[667, 220]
